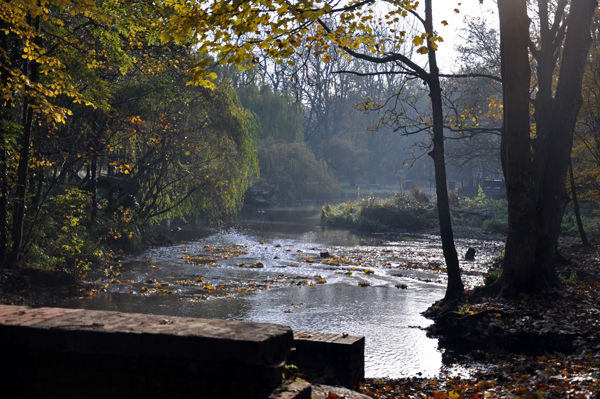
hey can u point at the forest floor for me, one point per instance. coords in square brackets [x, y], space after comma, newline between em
[535, 346]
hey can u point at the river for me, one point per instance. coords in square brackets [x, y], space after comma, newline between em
[269, 269]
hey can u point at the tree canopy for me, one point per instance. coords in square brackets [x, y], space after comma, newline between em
[98, 117]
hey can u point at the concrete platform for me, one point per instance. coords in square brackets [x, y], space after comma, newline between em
[339, 358]
[61, 353]
[75, 353]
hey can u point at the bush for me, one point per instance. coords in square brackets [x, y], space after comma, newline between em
[419, 196]
[62, 238]
[453, 199]
[293, 169]
[499, 226]
[491, 278]
[402, 212]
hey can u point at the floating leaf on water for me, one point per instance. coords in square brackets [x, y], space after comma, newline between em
[186, 282]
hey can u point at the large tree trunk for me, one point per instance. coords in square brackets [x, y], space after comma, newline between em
[536, 183]
[455, 285]
[516, 154]
[552, 197]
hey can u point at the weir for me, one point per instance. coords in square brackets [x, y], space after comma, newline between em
[69, 353]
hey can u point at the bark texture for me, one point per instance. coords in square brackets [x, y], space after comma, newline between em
[455, 285]
[536, 180]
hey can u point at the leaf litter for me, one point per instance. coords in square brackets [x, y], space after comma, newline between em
[534, 346]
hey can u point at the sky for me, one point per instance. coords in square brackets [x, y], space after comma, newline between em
[444, 10]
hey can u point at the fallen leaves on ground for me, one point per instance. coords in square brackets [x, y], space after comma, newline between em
[535, 346]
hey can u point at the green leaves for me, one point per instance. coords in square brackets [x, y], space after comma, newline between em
[236, 32]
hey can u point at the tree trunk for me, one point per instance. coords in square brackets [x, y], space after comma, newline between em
[22, 169]
[584, 239]
[455, 285]
[5, 112]
[3, 203]
[536, 201]
[552, 197]
[516, 154]
[352, 181]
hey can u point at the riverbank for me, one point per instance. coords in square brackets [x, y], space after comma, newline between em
[416, 212]
[34, 287]
[534, 346]
[480, 217]
[31, 286]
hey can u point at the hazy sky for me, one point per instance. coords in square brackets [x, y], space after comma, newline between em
[444, 10]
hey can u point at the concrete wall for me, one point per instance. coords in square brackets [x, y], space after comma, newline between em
[74, 353]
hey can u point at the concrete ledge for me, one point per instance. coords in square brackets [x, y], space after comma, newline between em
[292, 390]
[58, 353]
[74, 353]
[339, 358]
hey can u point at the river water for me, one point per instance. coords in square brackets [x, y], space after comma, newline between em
[372, 285]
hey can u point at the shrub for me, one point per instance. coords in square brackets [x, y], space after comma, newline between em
[400, 212]
[62, 240]
[453, 199]
[293, 169]
[418, 195]
[496, 225]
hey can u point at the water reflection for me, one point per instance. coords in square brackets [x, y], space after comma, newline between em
[388, 317]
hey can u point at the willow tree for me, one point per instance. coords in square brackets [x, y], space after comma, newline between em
[535, 170]
[234, 31]
[64, 65]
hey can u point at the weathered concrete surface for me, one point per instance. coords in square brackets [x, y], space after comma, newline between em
[292, 390]
[339, 358]
[53, 352]
[320, 391]
[73, 353]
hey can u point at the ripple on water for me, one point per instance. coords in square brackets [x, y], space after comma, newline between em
[388, 317]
